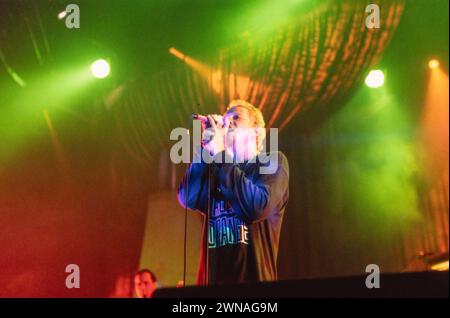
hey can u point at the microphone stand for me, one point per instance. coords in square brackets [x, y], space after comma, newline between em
[207, 220]
[210, 181]
[209, 186]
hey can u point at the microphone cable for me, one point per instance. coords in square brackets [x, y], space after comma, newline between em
[186, 186]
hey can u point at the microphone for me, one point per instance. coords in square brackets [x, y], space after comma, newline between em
[200, 117]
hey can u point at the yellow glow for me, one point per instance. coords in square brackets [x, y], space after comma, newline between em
[433, 64]
[176, 53]
[237, 83]
[442, 266]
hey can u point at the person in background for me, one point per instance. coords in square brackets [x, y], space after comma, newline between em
[145, 283]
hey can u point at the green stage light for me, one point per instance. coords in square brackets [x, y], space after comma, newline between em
[47, 91]
[375, 79]
[100, 68]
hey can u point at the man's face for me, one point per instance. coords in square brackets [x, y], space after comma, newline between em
[243, 141]
[144, 286]
[239, 117]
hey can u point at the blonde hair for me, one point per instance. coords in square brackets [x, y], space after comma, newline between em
[257, 116]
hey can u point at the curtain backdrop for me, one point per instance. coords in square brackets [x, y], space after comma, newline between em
[304, 70]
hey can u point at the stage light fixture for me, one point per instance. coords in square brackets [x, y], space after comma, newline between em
[375, 79]
[100, 68]
[62, 15]
[433, 64]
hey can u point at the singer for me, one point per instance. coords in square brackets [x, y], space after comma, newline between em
[246, 207]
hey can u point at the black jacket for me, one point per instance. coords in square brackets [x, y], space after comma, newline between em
[247, 210]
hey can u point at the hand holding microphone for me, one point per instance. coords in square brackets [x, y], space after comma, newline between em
[214, 134]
